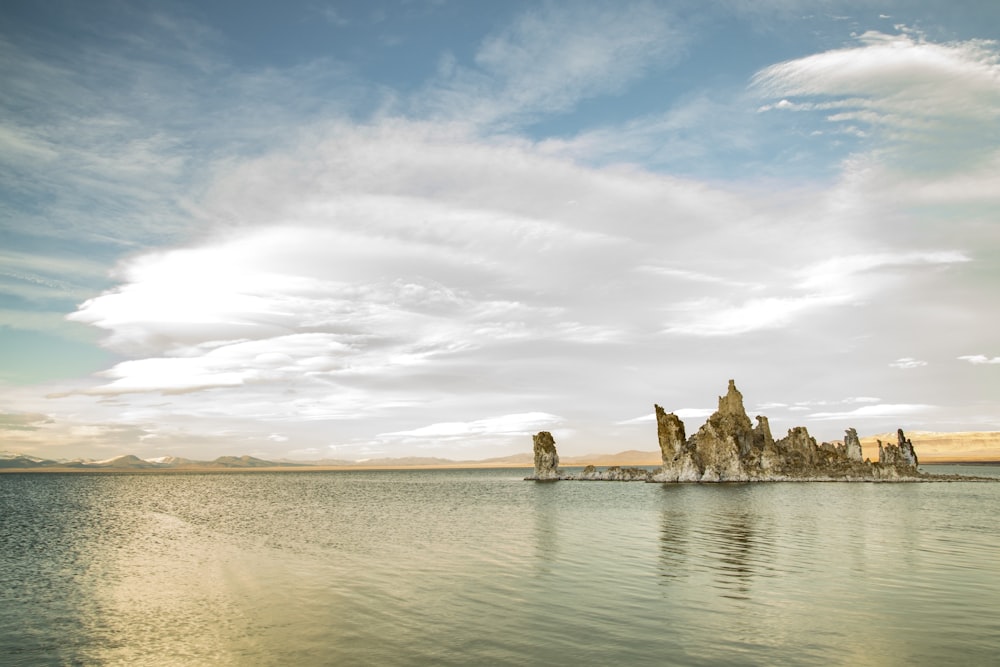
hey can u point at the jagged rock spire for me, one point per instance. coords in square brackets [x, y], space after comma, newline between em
[670, 433]
[852, 445]
[732, 402]
[906, 451]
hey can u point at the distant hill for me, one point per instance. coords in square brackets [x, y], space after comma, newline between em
[631, 457]
[242, 462]
[335, 463]
[122, 462]
[524, 458]
[21, 462]
[9, 462]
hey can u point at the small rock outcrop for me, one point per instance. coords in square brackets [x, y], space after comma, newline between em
[613, 474]
[546, 457]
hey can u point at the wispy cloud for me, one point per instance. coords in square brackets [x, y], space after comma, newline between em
[551, 57]
[898, 78]
[980, 359]
[836, 273]
[683, 413]
[921, 95]
[23, 421]
[506, 425]
[829, 283]
[717, 318]
[907, 363]
[881, 411]
[692, 137]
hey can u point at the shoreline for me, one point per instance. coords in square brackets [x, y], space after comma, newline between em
[363, 468]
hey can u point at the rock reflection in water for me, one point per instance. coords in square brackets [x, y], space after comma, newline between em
[731, 539]
[712, 531]
[546, 525]
[673, 544]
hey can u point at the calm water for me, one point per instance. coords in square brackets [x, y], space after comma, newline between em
[479, 567]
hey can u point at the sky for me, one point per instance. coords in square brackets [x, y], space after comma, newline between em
[348, 230]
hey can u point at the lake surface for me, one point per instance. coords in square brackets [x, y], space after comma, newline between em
[462, 567]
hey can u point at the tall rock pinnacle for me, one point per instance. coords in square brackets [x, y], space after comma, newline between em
[852, 445]
[670, 433]
[732, 403]
[546, 456]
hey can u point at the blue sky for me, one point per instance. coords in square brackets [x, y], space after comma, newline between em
[360, 229]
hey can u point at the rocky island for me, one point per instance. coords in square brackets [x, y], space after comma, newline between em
[730, 448]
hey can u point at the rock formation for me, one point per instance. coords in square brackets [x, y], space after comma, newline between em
[729, 449]
[898, 455]
[546, 457]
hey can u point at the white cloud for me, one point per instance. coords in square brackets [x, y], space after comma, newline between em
[863, 399]
[506, 425]
[931, 108]
[228, 365]
[980, 359]
[644, 419]
[334, 302]
[897, 79]
[698, 277]
[907, 363]
[829, 283]
[683, 413]
[882, 411]
[832, 274]
[717, 318]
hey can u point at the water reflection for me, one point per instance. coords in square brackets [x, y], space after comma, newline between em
[714, 531]
[732, 540]
[158, 578]
[546, 525]
[673, 544]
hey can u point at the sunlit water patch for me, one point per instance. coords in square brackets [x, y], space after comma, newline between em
[480, 567]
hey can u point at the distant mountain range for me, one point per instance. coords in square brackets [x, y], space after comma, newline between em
[130, 462]
[931, 447]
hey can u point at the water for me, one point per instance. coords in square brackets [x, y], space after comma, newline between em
[479, 567]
